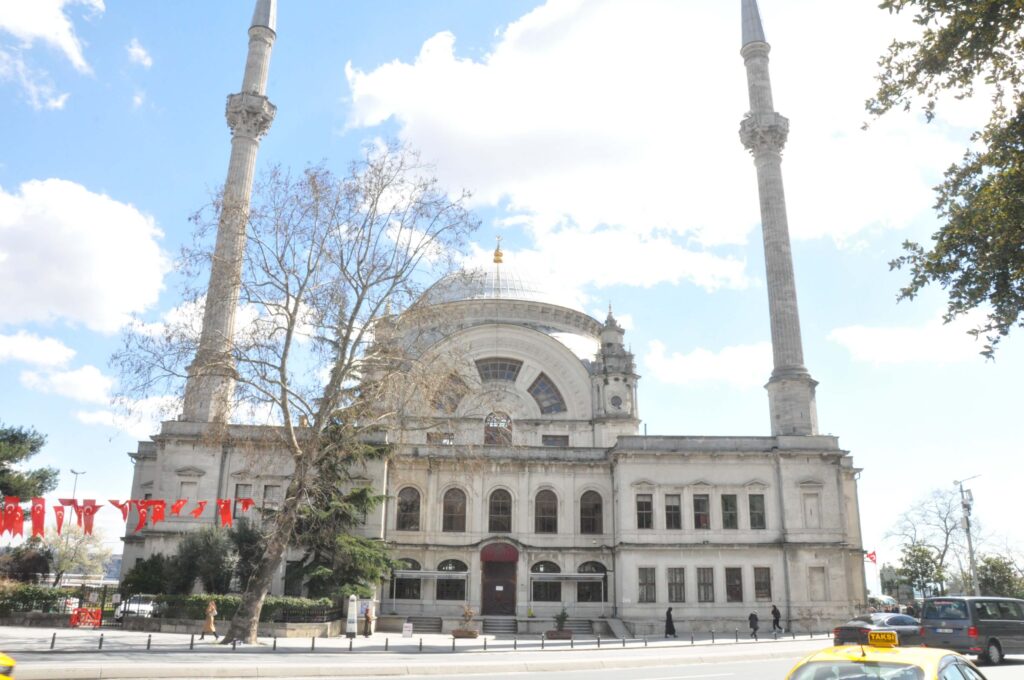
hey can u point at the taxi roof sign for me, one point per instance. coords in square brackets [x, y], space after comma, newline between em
[883, 638]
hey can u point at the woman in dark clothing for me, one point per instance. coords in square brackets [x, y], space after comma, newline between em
[753, 624]
[776, 615]
[670, 627]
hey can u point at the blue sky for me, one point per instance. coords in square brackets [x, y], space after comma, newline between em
[599, 139]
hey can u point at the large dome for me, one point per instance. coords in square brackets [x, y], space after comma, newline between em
[496, 283]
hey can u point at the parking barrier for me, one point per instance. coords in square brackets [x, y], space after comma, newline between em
[149, 642]
[101, 641]
[53, 640]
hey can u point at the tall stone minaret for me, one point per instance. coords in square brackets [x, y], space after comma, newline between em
[763, 132]
[211, 378]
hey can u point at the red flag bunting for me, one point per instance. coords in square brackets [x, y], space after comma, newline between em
[198, 510]
[73, 504]
[58, 511]
[246, 503]
[159, 509]
[89, 508]
[224, 508]
[38, 516]
[143, 515]
[178, 506]
[872, 556]
[124, 506]
[14, 516]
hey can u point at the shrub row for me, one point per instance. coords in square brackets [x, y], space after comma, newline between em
[194, 606]
[29, 597]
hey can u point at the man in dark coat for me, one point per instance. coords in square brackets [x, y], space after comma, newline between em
[670, 627]
[776, 615]
[753, 624]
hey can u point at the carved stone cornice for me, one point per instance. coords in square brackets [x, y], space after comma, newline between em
[249, 115]
[761, 132]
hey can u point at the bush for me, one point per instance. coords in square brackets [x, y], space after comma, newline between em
[28, 598]
[194, 606]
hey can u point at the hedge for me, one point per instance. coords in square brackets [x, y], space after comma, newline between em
[30, 597]
[194, 606]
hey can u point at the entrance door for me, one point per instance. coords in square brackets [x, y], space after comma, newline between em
[499, 589]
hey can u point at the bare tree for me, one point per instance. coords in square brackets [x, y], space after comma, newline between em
[325, 350]
[75, 552]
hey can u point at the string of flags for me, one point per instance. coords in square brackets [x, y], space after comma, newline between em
[151, 511]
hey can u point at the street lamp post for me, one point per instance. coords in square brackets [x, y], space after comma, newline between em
[74, 488]
[966, 500]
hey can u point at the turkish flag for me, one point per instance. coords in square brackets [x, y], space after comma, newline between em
[89, 508]
[72, 503]
[14, 516]
[873, 557]
[178, 505]
[159, 509]
[58, 511]
[142, 507]
[224, 507]
[124, 506]
[198, 510]
[246, 503]
[38, 516]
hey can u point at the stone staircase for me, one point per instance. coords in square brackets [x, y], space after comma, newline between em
[425, 624]
[503, 625]
[580, 627]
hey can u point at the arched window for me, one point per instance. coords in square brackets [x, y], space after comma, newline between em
[498, 368]
[592, 591]
[547, 396]
[591, 513]
[453, 512]
[451, 588]
[498, 429]
[406, 588]
[500, 512]
[546, 591]
[545, 512]
[408, 516]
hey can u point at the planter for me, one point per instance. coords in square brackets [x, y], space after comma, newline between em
[465, 633]
[558, 635]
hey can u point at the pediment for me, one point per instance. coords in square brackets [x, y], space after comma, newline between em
[190, 471]
[809, 483]
[756, 485]
[702, 484]
[644, 483]
[146, 485]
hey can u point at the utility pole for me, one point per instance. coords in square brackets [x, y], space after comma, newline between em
[74, 488]
[966, 500]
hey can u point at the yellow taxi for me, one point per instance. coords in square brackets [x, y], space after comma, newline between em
[882, 659]
[6, 666]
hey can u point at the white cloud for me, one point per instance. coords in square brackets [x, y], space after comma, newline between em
[137, 54]
[931, 343]
[75, 255]
[139, 419]
[742, 366]
[138, 99]
[32, 349]
[36, 85]
[86, 384]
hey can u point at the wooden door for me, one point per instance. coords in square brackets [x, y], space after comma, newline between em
[499, 589]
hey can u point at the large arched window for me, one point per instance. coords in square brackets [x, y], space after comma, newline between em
[547, 396]
[451, 588]
[500, 512]
[453, 511]
[408, 516]
[498, 429]
[406, 588]
[591, 513]
[592, 591]
[546, 591]
[499, 368]
[545, 512]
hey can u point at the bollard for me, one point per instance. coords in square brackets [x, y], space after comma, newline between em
[53, 640]
[572, 644]
[149, 641]
[712, 636]
[599, 642]
[421, 644]
[691, 637]
[350, 644]
[387, 639]
[192, 641]
[485, 645]
[775, 635]
[515, 642]
[234, 644]
[737, 634]
[812, 633]
[793, 633]
[542, 640]
[101, 640]
[312, 644]
[274, 648]
[453, 644]
[624, 642]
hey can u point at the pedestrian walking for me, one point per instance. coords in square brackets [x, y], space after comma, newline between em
[753, 624]
[776, 615]
[210, 623]
[670, 626]
[367, 620]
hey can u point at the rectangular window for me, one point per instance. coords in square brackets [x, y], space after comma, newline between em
[701, 511]
[676, 584]
[188, 490]
[644, 511]
[647, 592]
[816, 591]
[733, 584]
[451, 589]
[407, 589]
[547, 591]
[812, 510]
[730, 511]
[441, 438]
[757, 518]
[561, 440]
[271, 495]
[763, 583]
[705, 584]
[241, 491]
[673, 512]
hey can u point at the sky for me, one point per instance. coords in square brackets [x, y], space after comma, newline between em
[600, 141]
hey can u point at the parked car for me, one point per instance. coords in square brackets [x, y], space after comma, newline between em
[135, 606]
[988, 627]
[855, 631]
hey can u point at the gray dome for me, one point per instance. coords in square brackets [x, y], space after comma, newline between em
[497, 283]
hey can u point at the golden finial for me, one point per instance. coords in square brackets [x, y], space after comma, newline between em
[497, 252]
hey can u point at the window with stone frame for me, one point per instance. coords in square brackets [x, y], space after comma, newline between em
[546, 591]
[646, 590]
[758, 519]
[591, 513]
[559, 440]
[451, 588]
[407, 517]
[701, 511]
[677, 584]
[405, 588]
[545, 512]
[453, 511]
[812, 509]
[733, 584]
[547, 396]
[673, 511]
[241, 491]
[498, 368]
[499, 515]
[592, 591]
[272, 496]
[763, 583]
[644, 511]
[188, 490]
[705, 584]
[498, 429]
[441, 438]
[730, 511]
[817, 590]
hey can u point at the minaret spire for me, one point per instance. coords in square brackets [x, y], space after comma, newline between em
[763, 131]
[211, 376]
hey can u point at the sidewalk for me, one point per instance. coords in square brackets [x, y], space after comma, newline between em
[76, 654]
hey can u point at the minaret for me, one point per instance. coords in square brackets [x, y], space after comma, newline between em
[249, 113]
[763, 132]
